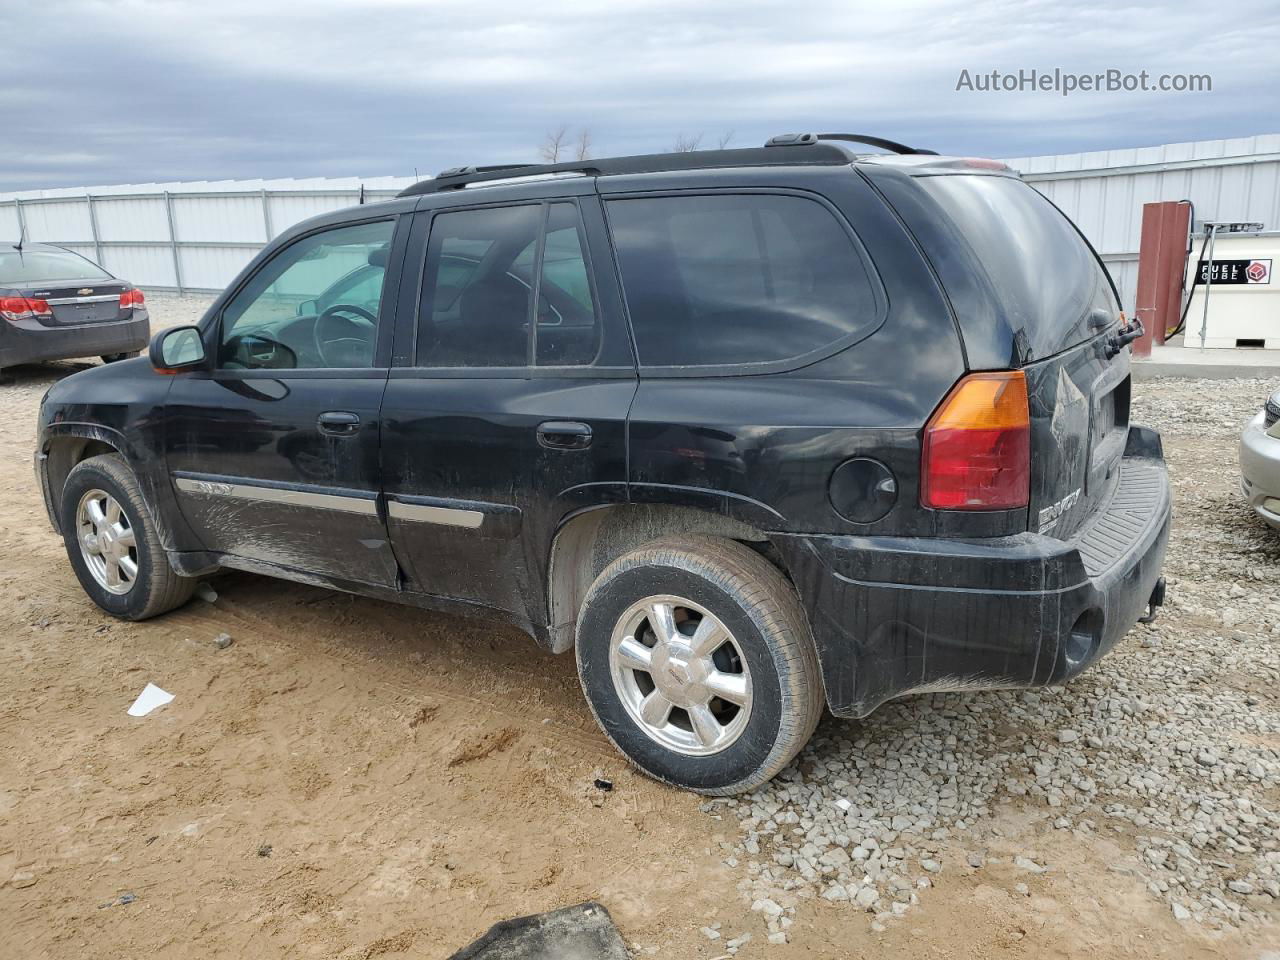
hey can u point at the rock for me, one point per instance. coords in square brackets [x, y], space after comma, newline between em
[1240, 886]
[836, 892]
[1022, 889]
[710, 934]
[931, 866]
[1024, 863]
[22, 879]
[975, 860]
[1068, 736]
[222, 641]
[1180, 912]
[866, 897]
[778, 937]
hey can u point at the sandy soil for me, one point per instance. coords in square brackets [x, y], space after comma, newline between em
[354, 779]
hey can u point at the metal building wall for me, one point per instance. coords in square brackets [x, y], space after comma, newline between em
[1103, 191]
[180, 236]
[197, 236]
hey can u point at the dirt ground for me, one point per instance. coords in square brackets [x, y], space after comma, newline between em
[354, 779]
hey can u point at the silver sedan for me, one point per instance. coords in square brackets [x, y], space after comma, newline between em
[1260, 462]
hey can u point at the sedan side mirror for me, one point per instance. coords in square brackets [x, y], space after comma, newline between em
[177, 349]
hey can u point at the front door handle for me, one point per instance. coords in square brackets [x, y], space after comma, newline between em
[564, 435]
[338, 423]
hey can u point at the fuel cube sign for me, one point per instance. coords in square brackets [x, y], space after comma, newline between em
[1235, 271]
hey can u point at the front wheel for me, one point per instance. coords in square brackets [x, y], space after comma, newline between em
[696, 658]
[112, 542]
[116, 357]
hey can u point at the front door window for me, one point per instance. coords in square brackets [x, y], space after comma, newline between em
[303, 310]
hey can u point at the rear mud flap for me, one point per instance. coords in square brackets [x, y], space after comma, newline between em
[584, 932]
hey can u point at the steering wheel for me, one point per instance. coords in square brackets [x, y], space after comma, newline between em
[349, 338]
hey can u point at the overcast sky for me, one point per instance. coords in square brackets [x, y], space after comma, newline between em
[99, 92]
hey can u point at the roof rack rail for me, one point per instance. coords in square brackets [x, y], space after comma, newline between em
[808, 154]
[804, 139]
[472, 170]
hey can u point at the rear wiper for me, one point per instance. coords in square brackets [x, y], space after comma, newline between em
[1130, 332]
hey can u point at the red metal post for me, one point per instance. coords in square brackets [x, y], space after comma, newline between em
[1161, 262]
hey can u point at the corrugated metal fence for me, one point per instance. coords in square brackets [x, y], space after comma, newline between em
[179, 236]
[197, 236]
[1104, 192]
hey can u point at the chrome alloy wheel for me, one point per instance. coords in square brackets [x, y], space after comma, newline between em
[680, 675]
[107, 542]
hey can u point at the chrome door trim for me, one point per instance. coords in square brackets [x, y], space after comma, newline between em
[290, 496]
[445, 516]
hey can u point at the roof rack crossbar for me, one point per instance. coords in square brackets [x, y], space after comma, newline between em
[804, 139]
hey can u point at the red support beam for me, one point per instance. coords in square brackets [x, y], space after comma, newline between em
[1162, 261]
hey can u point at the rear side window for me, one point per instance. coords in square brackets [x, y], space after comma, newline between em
[478, 286]
[1045, 275]
[738, 279]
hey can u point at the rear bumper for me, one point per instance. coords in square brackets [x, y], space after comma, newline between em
[1260, 469]
[896, 615]
[29, 344]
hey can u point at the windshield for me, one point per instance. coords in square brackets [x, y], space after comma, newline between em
[22, 267]
[1045, 275]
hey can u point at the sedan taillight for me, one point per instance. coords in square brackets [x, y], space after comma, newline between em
[131, 298]
[14, 309]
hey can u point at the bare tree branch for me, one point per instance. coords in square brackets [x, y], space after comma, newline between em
[725, 138]
[583, 147]
[685, 144]
[553, 144]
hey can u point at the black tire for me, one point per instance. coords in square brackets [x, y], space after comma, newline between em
[157, 588]
[116, 357]
[760, 609]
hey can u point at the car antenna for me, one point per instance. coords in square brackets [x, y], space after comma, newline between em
[22, 237]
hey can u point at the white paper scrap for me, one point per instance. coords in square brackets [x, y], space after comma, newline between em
[150, 698]
[843, 804]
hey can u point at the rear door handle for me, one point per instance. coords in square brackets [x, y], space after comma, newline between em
[564, 435]
[338, 423]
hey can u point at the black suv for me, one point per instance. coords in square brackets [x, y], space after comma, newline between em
[752, 431]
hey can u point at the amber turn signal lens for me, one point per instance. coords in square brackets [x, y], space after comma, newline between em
[977, 446]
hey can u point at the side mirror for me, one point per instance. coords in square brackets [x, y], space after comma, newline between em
[307, 308]
[177, 349]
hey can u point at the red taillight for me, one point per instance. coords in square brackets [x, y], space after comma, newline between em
[977, 446]
[14, 309]
[131, 298]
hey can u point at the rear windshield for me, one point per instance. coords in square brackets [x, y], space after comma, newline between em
[1045, 275]
[21, 267]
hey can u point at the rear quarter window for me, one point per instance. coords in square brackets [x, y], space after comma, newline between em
[733, 279]
[1045, 276]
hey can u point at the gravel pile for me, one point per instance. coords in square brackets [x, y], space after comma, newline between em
[171, 310]
[1171, 745]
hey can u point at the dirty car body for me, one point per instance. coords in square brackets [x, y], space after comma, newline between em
[806, 399]
[56, 304]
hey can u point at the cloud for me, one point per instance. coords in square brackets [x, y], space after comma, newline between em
[145, 90]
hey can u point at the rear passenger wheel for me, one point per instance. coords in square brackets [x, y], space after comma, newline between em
[113, 357]
[112, 542]
[696, 659]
